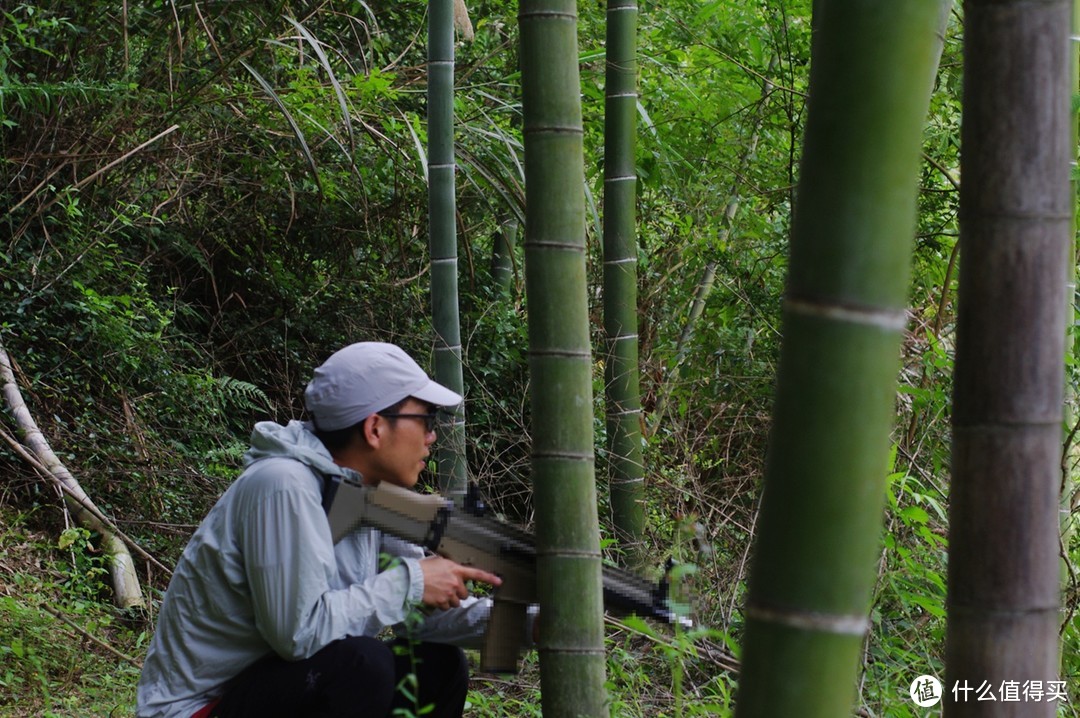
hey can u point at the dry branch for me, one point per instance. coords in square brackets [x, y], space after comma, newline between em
[92, 638]
[121, 566]
[64, 490]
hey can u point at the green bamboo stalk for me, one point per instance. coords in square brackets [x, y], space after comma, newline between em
[502, 256]
[571, 646]
[622, 380]
[1015, 222]
[442, 231]
[844, 315]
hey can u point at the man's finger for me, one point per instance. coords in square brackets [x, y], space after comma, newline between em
[475, 574]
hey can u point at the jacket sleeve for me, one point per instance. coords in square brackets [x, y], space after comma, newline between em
[290, 566]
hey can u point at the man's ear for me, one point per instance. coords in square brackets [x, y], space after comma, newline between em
[374, 428]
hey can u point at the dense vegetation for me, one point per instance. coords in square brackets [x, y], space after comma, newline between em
[202, 201]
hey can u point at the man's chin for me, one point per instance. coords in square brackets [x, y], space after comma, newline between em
[405, 482]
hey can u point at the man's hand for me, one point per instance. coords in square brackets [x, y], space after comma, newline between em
[444, 581]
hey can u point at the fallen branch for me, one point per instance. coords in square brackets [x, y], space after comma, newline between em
[92, 638]
[43, 471]
[125, 581]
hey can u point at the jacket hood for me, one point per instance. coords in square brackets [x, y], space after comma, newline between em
[294, 440]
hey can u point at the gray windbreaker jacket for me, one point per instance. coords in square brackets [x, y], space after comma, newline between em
[262, 574]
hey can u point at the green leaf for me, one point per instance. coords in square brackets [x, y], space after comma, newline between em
[914, 514]
[68, 537]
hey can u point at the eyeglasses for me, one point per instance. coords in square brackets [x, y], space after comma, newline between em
[428, 419]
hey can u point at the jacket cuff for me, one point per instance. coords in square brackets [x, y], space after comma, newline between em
[415, 577]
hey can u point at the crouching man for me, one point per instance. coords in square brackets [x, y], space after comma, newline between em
[266, 617]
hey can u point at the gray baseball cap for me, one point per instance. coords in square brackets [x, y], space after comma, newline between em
[364, 378]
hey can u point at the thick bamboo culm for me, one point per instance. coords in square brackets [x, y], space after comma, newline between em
[1015, 225]
[816, 552]
[626, 477]
[442, 229]
[571, 646]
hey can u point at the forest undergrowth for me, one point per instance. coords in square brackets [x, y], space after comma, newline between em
[66, 651]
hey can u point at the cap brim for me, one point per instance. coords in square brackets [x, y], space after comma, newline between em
[437, 394]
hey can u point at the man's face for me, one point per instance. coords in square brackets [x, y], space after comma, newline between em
[403, 453]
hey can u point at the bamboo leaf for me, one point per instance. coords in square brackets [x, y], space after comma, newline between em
[647, 120]
[513, 145]
[371, 15]
[420, 153]
[345, 152]
[510, 192]
[292, 122]
[316, 46]
[590, 202]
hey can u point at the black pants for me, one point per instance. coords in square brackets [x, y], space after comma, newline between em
[350, 678]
